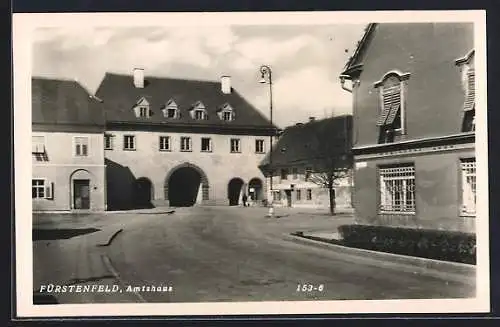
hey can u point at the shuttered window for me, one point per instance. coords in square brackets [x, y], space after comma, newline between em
[468, 169]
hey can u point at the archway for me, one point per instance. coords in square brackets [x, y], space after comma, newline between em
[234, 191]
[186, 185]
[255, 189]
[143, 193]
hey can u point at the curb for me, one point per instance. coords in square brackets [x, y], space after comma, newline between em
[109, 239]
[458, 272]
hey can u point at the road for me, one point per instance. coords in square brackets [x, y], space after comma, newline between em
[205, 254]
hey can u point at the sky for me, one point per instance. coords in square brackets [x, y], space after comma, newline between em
[306, 60]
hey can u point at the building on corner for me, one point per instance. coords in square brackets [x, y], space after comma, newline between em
[301, 159]
[413, 87]
[67, 147]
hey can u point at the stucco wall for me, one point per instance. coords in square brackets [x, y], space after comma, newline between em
[428, 52]
[219, 166]
[62, 164]
[437, 189]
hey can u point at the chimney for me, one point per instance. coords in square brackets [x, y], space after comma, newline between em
[311, 119]
[139, 78]
[225, 84]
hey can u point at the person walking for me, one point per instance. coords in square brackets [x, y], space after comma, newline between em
[244, 198]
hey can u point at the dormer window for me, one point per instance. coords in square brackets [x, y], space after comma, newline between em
[226, 113]
[141, 108]
[199, 112]
[170, 110]
[466, 65]
[391, 119]
[143, 111]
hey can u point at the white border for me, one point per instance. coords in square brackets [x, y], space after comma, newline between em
[24, 25]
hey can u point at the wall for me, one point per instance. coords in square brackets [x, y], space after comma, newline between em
[220, 166]
[434, 98]
[61, 164]
[437, 188]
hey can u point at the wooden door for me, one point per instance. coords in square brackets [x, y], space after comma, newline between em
[81, 193]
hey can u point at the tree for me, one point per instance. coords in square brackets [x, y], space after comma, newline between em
[333, 159]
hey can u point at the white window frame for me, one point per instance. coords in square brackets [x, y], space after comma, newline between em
[126, 144]
[38, 147]
[161, 143]
[209, 144]
[167, 110]
[188, 144]
[229, 113]
[78, 153]
[235, 145]
[143, 111]
[203, 114]
[309, 196]
[111, 138]
[259, 149]
[401, 178]
[48, 189]
[469, 186]
[380, 85]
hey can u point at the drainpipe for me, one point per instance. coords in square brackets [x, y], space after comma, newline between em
[343, 78]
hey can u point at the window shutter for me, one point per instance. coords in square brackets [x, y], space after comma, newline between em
[49, 191]
[471, 92]
[391, 97]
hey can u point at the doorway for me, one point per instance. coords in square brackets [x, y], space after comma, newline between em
[81, 193]
[234, 191]
[288, 198]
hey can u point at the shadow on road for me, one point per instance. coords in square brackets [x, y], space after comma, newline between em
[59, 234]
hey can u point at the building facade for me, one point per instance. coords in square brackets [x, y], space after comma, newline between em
[180, 142]
[67, 147]
[413, 87]
[300, 162]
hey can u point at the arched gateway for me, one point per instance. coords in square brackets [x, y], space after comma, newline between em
[186, 185]
[234, 189]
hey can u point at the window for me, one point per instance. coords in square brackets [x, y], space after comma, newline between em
[108, 142]
[259, 146]
[185, 143]
[307, 174]
[200, 114]
[397, 189]
[129, 142]
[37, 144]
[143, 112]
[469, 118]
[164, 143]
[171, 113]
[227, 116]
[309, 194]
[298, 195]
[391, 120]
[466, 65]
[468, 167]
[81, 146]
[284, 174]
[235, 146]
[294, 173]
[206, 144]
[276, 196]
[40, 189]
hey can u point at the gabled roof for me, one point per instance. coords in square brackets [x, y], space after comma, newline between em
[353, 61]
[119, 95]
[310, 142]
[63, 102]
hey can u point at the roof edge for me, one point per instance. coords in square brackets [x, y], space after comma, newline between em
[361, 44]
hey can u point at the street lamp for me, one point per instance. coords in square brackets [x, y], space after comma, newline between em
[266, 71]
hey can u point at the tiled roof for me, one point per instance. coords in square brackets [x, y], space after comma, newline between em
[56, 101]
[311, 142]
[119, 96]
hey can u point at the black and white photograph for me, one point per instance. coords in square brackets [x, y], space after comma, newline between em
[250, 163]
